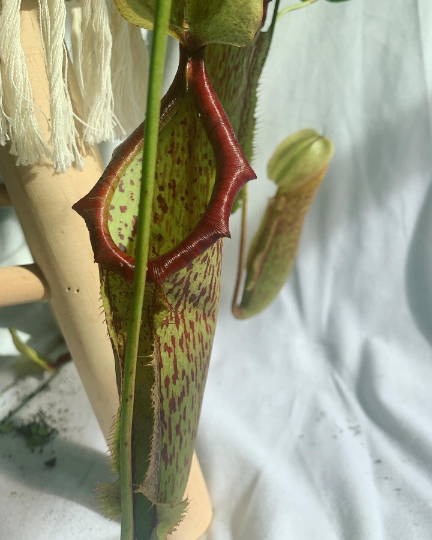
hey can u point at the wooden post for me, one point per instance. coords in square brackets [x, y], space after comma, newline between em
[58, 238]
[60, 245]
[21, 285]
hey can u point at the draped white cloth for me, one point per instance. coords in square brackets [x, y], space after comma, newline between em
[316, 421]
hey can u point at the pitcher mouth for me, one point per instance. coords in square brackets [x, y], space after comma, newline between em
[232, 173]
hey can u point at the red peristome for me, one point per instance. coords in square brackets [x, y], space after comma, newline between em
[232, 173]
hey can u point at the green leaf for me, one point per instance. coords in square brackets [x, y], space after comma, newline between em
[29, 353]
[295, 7]
[298, 167]
[195, 23]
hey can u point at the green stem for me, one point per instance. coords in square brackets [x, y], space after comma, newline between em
[151, 130]
[303, 4]
[235, 307]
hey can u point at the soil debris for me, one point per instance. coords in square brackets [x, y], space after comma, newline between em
[37, 433]
[51, 463]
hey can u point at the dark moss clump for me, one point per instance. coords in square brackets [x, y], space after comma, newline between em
[37, 432]
[6, 427]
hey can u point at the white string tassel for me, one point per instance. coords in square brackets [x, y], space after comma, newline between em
[96, 51]
[129, 71]
[52, 16]
[27, 141]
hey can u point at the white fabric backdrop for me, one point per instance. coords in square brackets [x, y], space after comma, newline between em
[317, 418]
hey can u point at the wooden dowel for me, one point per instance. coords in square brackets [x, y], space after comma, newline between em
[22, 285]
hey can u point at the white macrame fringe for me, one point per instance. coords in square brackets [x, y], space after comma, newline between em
[23, 130]
[96, 72]
[113, 81]
[52, 16]
[129, 71]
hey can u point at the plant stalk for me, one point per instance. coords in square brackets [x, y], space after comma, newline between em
[235, 308]
[151, 130]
